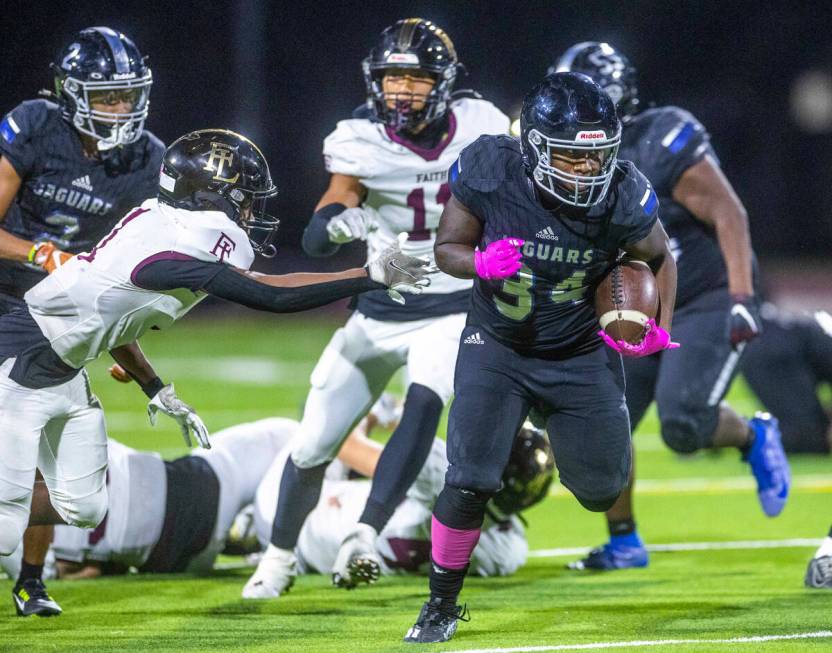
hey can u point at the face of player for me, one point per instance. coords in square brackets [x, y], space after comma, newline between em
[406, 88]
[582, 163]
[114, 101]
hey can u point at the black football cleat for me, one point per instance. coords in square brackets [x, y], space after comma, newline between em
[819, 573]
[436, 623]
[30, 597]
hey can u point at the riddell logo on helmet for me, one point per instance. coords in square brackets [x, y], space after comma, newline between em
[403, 57]
[598, 135]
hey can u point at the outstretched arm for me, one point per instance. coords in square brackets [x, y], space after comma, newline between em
[704, 190]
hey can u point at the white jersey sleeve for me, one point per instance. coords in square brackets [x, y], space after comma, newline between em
[349, 149]
[92, 304]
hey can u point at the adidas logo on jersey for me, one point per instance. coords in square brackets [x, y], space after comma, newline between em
[83, 183]
[474, 339]
[547, 234]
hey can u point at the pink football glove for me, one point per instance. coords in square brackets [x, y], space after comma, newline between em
[500, 260]
[656, 339]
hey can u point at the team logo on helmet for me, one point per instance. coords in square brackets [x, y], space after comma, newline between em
[221, 154]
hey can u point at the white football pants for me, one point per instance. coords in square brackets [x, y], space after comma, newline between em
[59, 430]
[357, 365]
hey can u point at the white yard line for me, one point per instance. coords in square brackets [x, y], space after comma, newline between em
[692, 546]
[698, 485]
[819, 634]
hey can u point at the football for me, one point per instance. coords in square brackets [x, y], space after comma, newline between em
[626, 299]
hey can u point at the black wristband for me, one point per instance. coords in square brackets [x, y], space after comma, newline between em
[152, 387]
[316, 240]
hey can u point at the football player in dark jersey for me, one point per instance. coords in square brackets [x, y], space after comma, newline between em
[785, 367]
[716, 309]
[69, 169]
[537, 224]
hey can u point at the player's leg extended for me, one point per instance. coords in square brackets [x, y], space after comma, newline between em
[489, 408]
[589, 428]
[430, 366]
[690, 389]
[783, 367]
[20, 432]
[625, 547]
[350, 374]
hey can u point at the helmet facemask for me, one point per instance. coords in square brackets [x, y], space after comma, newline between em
[574, 189]
[261, 227]
[108, 129]
[401, 117]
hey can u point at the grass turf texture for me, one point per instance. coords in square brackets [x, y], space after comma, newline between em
[238, 370]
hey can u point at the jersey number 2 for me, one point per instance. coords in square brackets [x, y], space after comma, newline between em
[416, 201]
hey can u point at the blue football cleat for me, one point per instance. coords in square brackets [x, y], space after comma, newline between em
[769, 464]
[616, 554]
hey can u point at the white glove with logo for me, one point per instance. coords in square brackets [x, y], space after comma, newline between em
[349, 225]
[167, 402]
[400, 272]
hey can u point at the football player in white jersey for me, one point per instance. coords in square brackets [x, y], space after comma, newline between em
[389, 167]
[160, 260]
[404, 542]
[170, 516]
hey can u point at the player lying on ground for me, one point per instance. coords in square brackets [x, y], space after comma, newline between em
[170, 516]
[538, 223]
[716, 308]
[70, 167]
[404, 543]
[388, 167]
[198, 238]
[819, 571]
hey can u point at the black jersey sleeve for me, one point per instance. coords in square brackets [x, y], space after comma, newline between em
[175, 271]
[224, 282]
[479, 170]
[19, 133]
[637, 208]
[675, 140]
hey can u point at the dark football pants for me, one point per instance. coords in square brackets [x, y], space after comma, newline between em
[784, 368]
[687, 383]
[581, 398]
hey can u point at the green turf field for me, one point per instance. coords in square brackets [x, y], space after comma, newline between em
[234, 371]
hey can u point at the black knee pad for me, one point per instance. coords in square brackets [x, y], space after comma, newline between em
[685, 434]
[597, 505]
[459, 508]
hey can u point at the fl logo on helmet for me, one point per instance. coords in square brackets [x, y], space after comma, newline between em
[221, 154]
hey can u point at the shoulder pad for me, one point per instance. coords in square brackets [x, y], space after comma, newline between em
[210, 236]
[673, 128]
[350, 149]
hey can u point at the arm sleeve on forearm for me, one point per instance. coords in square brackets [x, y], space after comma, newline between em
[315, 237]
[244, 290]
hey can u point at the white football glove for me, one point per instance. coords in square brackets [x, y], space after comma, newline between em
[167, 402]
[349, 225]
[400, 272]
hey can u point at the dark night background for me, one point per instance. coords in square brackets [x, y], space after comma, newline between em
[284, 73]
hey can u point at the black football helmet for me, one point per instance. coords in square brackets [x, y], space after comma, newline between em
[416, 44]
[219, 170]
[564, 115]
[608, 68]
[529, 472]
[103, 65]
